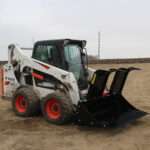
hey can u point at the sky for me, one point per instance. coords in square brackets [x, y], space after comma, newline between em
[124, 24]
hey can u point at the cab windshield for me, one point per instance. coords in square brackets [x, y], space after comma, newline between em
[73, 59]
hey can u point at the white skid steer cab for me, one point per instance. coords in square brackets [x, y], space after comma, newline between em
[56, 81]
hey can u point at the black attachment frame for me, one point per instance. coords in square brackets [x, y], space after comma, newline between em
[110, 110]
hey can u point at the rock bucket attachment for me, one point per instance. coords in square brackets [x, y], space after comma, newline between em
[112, 109]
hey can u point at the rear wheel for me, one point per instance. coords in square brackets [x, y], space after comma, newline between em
[57, 108]
[21, 104]
[25, 102]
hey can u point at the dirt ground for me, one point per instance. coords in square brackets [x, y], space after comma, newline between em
[36, 134]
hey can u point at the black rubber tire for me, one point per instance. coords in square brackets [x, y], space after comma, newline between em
[32, 100]
[66, 108]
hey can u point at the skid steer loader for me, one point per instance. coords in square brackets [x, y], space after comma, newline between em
[57, 81]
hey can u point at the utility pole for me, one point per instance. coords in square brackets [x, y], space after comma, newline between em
[99, 44]
[33, 40]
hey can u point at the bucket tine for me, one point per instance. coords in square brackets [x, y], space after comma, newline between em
[119, 79]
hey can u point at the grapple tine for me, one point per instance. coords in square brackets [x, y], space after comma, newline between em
[120, 79]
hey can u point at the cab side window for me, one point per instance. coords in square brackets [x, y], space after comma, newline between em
[46, 54]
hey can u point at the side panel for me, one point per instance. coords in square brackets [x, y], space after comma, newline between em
[10, 82]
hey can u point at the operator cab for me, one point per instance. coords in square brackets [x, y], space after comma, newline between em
[66, 54]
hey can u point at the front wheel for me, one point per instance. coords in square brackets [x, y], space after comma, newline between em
[57, 108]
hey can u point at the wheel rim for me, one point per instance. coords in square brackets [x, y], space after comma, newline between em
[21, 104]
[52, 108]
